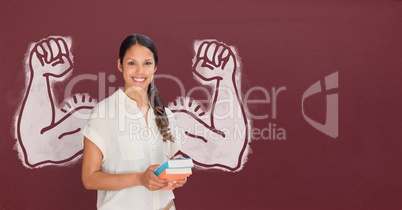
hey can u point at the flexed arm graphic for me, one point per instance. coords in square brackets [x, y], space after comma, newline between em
[48, 134]
[218, 137]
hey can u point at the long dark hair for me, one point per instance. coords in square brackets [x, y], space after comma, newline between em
[154, 97]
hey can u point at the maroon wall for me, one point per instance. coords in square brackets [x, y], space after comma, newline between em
[281, 44]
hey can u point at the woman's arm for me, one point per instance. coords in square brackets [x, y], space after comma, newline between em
[94, 179]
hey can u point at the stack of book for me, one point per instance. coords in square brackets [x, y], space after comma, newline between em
[174, 170]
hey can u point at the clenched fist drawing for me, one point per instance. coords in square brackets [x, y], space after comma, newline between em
[47, 133]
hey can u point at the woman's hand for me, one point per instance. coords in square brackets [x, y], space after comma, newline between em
[178, 183]
[150, 181]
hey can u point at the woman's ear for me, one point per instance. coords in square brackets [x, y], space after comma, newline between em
[119, 65]
[155, 69]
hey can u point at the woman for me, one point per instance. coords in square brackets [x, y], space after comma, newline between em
[129, 134]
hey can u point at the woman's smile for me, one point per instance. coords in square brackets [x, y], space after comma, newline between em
[139, 79]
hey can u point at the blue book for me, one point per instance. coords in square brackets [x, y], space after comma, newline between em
[175, 164]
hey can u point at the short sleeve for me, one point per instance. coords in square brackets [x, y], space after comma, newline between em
[95, 138]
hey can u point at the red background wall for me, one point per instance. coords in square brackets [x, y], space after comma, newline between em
[281, 43]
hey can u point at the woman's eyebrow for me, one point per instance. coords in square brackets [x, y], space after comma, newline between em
[147, 59]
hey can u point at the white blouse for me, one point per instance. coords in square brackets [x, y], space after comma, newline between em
[128, 144]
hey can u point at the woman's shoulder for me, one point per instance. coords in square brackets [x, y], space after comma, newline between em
[108, 101]
[169, 113]
[111, 98]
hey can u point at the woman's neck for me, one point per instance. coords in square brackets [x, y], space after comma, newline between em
[140, 100]
[140, 97]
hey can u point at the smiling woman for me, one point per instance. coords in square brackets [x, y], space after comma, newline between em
[138, 70]
[113, 158]
[138, 67]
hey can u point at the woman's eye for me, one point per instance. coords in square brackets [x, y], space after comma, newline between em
[131, 63]
[148, 63]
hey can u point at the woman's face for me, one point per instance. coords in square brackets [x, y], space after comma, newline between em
[138, 67]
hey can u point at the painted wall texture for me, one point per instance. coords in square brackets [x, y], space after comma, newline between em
[281, 104]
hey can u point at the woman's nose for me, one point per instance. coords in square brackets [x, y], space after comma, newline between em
[140, 69]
